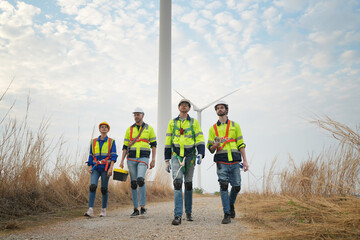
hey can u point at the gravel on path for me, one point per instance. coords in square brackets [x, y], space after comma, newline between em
[207, 214]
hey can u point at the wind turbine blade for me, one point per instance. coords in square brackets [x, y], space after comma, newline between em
[220, 99]
[195, 107]
[179, 94]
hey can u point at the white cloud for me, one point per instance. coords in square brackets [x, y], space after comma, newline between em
[291, 5]
[89, 15]
[326, 38]
[17, 22]
[223, 18]
[350, 37]
[321, 60]
[101, 54]
[260, 58]
[350, 57]
[6, 7]
[190, 18]
[248, 15]
[207, 14]
[70, 7]
[239, 5]
[330, 16]
[176, 10]
[271, 18]
[133, 5]
[197, 3]
[195, 22]
[214, 5]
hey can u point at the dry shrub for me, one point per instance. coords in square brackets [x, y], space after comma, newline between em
[159, 188]
[317, 200]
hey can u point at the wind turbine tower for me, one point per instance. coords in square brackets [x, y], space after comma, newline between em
[164, 83]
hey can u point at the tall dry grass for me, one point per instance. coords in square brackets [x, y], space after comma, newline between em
[317, 200]
[36, 175]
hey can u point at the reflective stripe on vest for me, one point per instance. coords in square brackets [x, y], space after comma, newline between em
[104, 161]
[191, 128]
[226, 138]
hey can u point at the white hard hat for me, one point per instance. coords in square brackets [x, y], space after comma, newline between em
[138, 110]
[184, 100]
[222, 102]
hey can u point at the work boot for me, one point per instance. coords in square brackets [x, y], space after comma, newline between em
[176, 221]
[136, 213]
[143, 211]
[232, 211]
[103, 212]
[90, 212]
[189, 217]
[226, 219]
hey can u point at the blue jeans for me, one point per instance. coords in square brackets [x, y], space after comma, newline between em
[229, 174]
[94, 178]
[137, 170]
[188, 176]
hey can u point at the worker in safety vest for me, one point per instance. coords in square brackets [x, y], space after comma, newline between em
[101, 161]
[183, 138]
[226, 139]
[139, 138]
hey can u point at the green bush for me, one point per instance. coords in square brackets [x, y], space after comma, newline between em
[198, 190]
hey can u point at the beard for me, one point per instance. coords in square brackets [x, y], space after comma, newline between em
[220, 113]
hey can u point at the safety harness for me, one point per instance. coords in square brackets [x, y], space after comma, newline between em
[183, 131]
[226, 138]
[137, 138]
[104, 161]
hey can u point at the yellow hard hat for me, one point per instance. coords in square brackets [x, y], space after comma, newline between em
[104, 123]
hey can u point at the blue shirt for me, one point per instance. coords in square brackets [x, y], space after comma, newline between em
[112, 153]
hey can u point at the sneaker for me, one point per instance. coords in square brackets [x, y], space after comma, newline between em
[89, 213]
[143, 211]
[226, 219]
[189, 217]
[232, 211]
[136, 213]
[103, 212]
[176, 221]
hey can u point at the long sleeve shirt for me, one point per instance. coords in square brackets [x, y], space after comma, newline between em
[100, 156]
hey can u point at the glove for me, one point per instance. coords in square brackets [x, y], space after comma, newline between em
[241, 165]
[199, 158]
[167, 166]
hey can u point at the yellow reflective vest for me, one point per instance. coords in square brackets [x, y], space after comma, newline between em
[187, 136]
[141, 147]
[102, 157]
[231, 141]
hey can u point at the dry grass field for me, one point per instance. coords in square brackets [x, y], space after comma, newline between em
[319, 199]
[31, 183]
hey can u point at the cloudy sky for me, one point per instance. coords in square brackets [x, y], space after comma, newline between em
[86, 61]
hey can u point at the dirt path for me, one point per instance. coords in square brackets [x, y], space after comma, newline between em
[207, 213]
